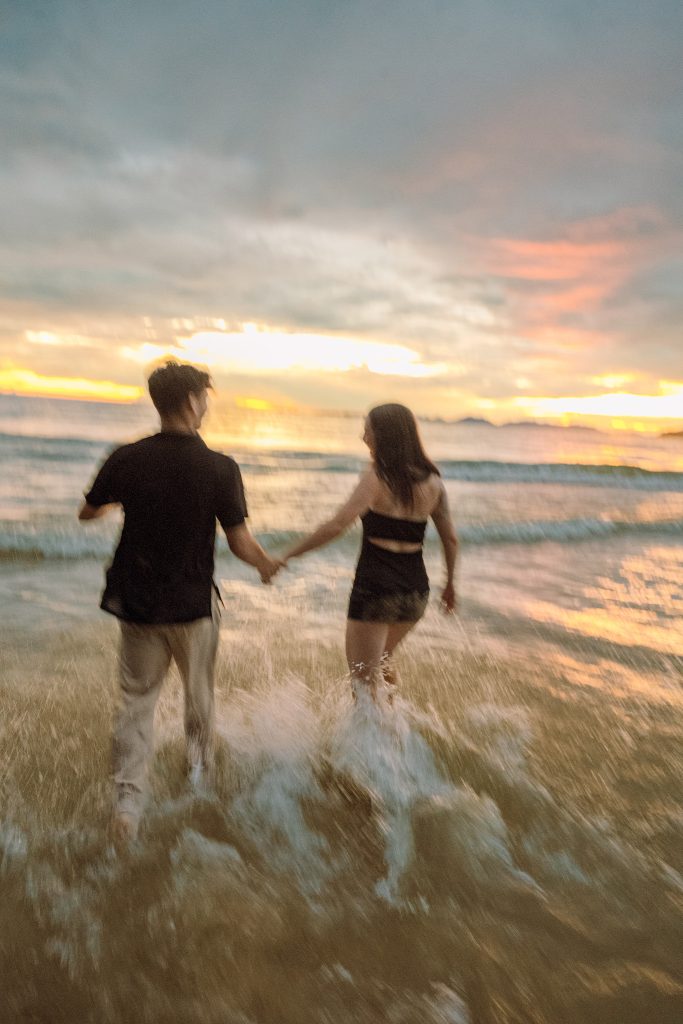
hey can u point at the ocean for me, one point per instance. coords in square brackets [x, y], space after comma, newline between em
[505, 845]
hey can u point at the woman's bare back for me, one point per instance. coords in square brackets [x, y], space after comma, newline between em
[426, 498]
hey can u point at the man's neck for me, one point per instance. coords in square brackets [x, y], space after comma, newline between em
[177, 425]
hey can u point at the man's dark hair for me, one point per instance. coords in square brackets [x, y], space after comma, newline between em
[169, 385]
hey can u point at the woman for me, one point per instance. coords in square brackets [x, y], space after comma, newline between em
[394, 498]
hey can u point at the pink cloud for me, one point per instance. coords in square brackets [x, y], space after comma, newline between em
[557, 288]
[530, 260]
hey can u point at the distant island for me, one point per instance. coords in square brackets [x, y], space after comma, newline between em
[550, 426]
[476, 421]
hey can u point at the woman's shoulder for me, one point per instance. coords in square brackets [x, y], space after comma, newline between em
[432, 487]
[368, 475]
[368, 482]
[431, 484]
[434, 478]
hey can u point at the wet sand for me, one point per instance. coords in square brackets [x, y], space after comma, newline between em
[500, 846]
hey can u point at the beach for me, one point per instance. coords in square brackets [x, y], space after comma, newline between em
[503, 845]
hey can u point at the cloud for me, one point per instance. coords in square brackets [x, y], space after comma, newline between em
[256, 350]
[493, 186]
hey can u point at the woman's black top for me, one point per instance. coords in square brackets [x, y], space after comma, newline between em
[375, 524]
[384, 572]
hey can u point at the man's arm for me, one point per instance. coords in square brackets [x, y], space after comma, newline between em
[247, 549]
[88, 511]
[104, 493]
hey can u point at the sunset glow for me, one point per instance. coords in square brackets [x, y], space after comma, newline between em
[386, 507]
[260, 352]
[259, 349]
[255, 404]
[502, 242]
[621, 407]
[25, 382]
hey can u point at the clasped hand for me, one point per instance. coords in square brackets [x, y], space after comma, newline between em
[269, 571]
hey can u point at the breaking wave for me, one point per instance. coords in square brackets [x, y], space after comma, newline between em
[63, 539]
[58, 449]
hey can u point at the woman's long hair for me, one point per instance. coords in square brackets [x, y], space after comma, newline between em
[400, 460]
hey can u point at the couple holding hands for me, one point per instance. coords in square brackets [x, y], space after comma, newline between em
[172, 489]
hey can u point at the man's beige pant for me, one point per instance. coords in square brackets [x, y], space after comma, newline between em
[144, 659]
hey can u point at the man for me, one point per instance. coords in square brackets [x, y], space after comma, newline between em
[160, 583]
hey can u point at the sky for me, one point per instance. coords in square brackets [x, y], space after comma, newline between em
[475, 208]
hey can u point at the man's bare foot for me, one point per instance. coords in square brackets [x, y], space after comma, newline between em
[123, 828]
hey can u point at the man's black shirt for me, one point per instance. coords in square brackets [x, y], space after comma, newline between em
[172, 489]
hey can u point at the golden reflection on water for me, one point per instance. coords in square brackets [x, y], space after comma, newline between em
[267, 430]
[651, 508]
[639, 605]
[595, 449]
[618, 678]
[601, 454]
[637, 628]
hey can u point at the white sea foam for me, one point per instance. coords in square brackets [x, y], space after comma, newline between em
[374, 745]
[273, 734]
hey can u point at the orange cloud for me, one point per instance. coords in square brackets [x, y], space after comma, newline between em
[561, 337]
[25, 382]
[529, 260]
[557, 287]
[582, 297]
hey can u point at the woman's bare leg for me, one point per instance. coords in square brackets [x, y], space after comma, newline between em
[365, 646]
[369, 647]
[396, 632]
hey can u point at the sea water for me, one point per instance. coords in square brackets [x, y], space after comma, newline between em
[503, 843]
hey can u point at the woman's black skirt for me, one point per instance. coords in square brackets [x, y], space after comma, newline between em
[390, 586]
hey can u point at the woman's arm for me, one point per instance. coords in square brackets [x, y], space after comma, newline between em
[441, 518]
[358, 503]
